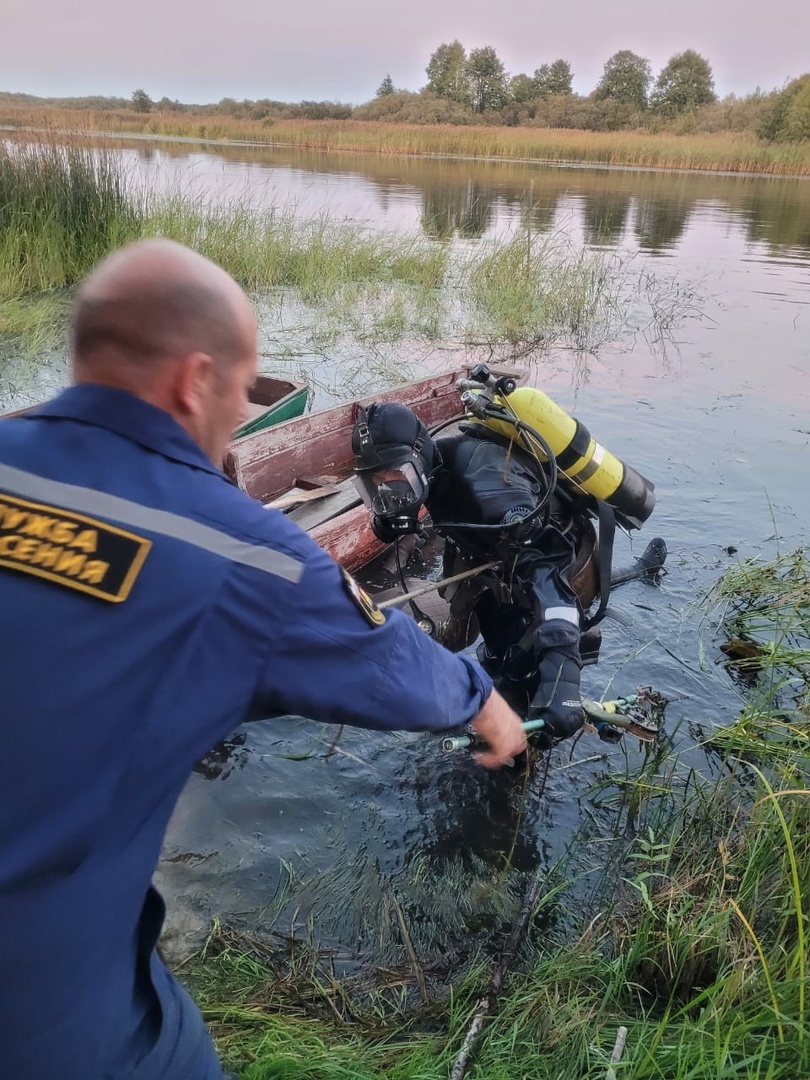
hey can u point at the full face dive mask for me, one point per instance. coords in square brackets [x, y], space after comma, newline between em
[392, 448]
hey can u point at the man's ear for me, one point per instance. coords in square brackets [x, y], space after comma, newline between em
[193, 382]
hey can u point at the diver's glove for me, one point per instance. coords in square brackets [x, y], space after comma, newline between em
[557, 699]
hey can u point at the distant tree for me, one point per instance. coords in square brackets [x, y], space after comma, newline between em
[166, 104]
[684, 83]
[788, 116]
[487, 79]
[414, 108]
[626, 78]
[556, 78]
[322, 110]
[522, 88]
[386, 87]
[140, 101]
[798, 114]
[447, 72]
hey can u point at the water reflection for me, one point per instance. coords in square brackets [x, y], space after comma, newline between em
[539, 214]
[781, 223]
[471, 199]
[464, 212]
[492, 818]
[605, 217]
[660, 223]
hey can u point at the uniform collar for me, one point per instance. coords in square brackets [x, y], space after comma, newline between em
[129, 416]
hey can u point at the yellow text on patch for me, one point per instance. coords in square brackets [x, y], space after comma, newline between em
[69, 549]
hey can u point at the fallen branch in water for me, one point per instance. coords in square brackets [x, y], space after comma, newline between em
[488, 1001]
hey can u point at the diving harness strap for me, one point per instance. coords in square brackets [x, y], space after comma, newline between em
[607, 533]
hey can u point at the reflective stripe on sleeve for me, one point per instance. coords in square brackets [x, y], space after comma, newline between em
[88, 501]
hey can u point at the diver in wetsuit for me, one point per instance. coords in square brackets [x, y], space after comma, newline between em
[491, 501]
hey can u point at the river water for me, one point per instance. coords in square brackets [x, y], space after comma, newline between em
[275, 831]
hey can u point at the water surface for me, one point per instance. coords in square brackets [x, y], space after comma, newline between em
[718, 416]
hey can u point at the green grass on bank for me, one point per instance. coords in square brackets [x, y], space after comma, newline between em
[716, 152]
[696, 941]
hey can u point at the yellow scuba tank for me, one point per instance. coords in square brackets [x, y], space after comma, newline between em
[584, 461]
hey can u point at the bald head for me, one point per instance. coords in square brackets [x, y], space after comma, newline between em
[152, 301]
[167, 325]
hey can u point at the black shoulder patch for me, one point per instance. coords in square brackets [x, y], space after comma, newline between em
[69, 549]
[368, 609]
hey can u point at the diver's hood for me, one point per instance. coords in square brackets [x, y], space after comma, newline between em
[388, 433]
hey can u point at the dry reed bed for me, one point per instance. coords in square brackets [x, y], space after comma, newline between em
[722, 152]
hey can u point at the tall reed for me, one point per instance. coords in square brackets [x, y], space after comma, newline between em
[720, 151]
[61, 209]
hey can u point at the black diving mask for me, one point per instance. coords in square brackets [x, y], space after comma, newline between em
[394, 491]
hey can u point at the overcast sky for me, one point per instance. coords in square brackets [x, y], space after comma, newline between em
[199, 50]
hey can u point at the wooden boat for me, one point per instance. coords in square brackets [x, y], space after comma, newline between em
[304, 466]
[272, 401]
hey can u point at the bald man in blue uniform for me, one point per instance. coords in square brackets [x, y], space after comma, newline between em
[147, 607]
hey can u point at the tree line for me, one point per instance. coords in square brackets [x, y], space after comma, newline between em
[475, 88]
[465, 87]
[479, 81]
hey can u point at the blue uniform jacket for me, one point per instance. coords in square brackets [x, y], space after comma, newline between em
[147, 607]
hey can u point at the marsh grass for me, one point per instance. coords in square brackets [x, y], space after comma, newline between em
[695, 939]
[721, 151]
[705, 968]
[357, 293]
[62, 208]
[317, 258]
[532, 292]
[529, 292]
[37, 323]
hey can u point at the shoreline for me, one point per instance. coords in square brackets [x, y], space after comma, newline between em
[317, 143]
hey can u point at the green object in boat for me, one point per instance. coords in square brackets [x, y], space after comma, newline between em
[287, 407]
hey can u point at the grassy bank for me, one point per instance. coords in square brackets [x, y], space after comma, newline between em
[695, 941]
[716, 152]
[63, 206]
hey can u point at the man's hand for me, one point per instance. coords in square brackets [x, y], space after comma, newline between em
[500, 729]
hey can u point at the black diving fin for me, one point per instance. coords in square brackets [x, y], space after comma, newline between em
[648, 566]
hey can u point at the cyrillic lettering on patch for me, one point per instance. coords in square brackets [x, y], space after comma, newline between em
[68, 549]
